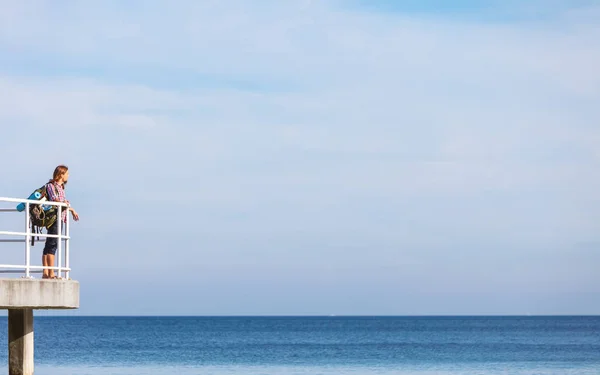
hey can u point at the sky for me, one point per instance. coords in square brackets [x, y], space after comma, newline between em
[307, 157]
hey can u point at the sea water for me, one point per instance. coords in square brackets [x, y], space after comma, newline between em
[314, 345]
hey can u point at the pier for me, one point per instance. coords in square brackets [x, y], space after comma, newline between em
[23, 293]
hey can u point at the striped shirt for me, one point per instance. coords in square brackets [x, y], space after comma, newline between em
[56, 193]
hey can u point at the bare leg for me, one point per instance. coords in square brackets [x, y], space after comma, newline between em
[50, 246]
[50, 262]
[45, 263]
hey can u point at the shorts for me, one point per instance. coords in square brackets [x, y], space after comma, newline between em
[51, 242]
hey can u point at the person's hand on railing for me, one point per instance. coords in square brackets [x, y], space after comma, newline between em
[74, 214]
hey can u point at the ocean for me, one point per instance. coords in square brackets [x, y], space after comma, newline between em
[314, 345]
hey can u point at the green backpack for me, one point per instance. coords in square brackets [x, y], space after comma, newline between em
[41, 215]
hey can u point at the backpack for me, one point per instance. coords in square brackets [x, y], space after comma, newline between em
[40, 215]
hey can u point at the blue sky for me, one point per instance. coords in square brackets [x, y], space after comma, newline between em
[488, 10]
[314, 157]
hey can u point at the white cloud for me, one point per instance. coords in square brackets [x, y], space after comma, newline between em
[359, 83]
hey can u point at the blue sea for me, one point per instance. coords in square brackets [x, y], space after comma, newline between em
[314, 345]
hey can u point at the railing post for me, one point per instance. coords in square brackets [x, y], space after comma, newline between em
[27, 240]
[59, 239]
[67, 241]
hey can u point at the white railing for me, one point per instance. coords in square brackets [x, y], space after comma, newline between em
[27, 268]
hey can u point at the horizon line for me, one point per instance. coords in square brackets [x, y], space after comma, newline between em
[327, 316]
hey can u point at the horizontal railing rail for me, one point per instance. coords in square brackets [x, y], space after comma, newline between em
[28, 234]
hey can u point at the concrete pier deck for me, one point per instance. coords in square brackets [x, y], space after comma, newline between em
[20, 297]
[39, 294]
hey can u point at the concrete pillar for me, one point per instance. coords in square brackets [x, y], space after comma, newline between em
[20, 342]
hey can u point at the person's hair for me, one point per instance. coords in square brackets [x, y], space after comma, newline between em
[58, 173]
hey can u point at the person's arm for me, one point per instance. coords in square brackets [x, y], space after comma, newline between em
[53, 195]
[74, 214]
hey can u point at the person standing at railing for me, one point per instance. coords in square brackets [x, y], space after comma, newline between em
[55, 189]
